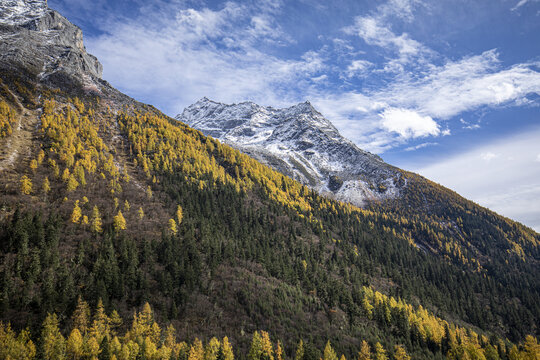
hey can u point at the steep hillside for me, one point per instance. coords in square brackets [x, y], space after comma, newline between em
[299, 142]
[102, 197]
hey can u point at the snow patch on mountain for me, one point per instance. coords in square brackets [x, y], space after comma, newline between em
[299, 142]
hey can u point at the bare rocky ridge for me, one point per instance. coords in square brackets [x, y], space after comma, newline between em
[299, 142]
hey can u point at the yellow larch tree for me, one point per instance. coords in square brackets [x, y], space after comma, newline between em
[196, 351]
[172, 227]
[72, 183]
[119, 221]
[26, 185]
[267, 348]
[33, 165]
[531, 348]
[226, 349]
[100, 324]
[279, 351]
[179, 214]
[52, 342]
[400, 353]
[365, 352]
[92, 348]
[76, 214]
[212, 349]
[65, 174]
[46, 187]
[75, 345]
[96, 220]
[329, 353]
[380, 353]
[81, 316]
[299, 355]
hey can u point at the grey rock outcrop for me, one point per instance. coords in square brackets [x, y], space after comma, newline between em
[45, 44]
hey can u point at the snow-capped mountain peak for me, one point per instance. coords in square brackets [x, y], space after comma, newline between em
[299, 142]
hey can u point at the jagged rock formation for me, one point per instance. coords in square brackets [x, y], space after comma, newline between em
[45, 44]
[299, 142]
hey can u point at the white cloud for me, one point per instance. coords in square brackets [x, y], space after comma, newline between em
[376, 31]
[443, 92]
[464, 85]
[408, 124]
[421, 146]
[372, 31]
[538, 158]
[487, 156]
[521, 3]
[399, 8]
[319, 78]
[508, 183]
[358, 67]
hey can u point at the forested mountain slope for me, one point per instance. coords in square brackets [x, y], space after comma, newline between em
[104, 198]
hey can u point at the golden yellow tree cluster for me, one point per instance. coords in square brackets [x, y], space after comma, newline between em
[7, 119]
[96, 336]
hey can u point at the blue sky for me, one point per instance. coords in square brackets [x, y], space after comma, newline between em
[446, 88]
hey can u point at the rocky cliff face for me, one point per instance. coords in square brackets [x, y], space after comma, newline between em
[299, 142]
[45, 44]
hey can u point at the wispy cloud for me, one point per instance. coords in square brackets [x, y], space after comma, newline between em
[488, 156]
[463, 85]
[375, 29]
[522, 3]
[468, 126]
[374, 32]
[358, 68]
[421, 146]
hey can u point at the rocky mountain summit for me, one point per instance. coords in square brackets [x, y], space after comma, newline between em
[299, 142]
[45, 44]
